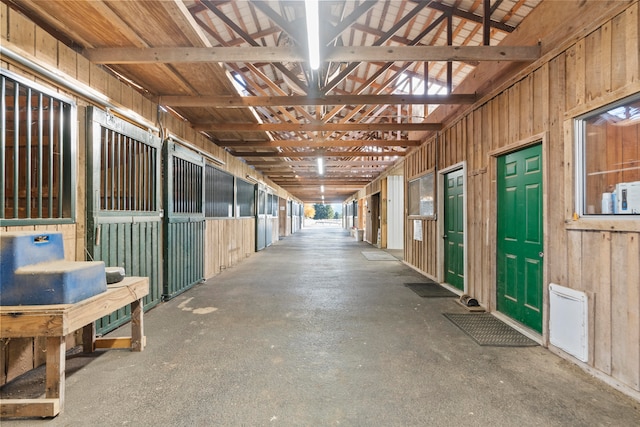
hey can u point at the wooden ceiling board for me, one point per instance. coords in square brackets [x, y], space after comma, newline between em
[205, 78]
[155, 78]
[84, 22]
[192, 23]
[158, 28]
[217, 115]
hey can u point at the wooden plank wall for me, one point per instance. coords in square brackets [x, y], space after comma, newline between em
[229, 241]
[601, 258]
[421, 254]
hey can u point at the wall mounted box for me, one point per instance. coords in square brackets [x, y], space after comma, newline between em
[569, 321]
[627, 198]
[33, 271]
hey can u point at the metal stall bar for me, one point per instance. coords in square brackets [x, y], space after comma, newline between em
[28, 166]
[40, 150]
[183, 229]
[27, 147]
[16, 149]
[122, 228]
[3, 141]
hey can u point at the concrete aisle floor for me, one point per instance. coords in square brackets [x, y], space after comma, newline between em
[310, 333]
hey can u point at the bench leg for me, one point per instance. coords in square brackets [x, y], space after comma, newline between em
[55, 369]
[137, 326]
[89, 338]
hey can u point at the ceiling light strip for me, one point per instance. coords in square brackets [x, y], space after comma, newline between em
[313, 32]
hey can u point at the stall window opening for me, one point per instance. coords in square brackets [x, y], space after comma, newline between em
[608, 149]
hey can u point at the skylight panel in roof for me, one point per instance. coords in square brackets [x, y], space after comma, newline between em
[375, 16]
[476, 40]
[391, 16]
[498, 37]
[463, 34]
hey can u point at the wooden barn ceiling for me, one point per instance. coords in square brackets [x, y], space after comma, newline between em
[238, 72]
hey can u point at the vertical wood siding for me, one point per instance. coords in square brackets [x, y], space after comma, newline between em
[594, 71]
[227, 242]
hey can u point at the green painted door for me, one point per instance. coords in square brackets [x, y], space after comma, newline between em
[123, 203]
[184, 172]
[519, 231]
[454, 229]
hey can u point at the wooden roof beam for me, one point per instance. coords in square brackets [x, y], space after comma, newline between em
[343, 173]
[326, 143]
[310, 127]
[469, 16]
[264, 164]
[235, 27]
[358, 183]
[214, 101]
[277, 55]
[305, 154]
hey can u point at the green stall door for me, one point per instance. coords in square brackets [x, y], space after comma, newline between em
[123, 203]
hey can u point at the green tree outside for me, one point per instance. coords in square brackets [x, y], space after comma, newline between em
[323, 211]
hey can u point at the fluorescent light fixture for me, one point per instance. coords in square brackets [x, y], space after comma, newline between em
[322, 188]
[313, 32]
[320, 166]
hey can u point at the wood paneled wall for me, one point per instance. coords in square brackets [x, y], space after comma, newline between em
[600, 257]
[228, 241]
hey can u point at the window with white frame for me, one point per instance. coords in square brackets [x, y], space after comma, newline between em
[421, 196]
[608, 150]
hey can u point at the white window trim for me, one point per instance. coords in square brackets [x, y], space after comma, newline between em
[580, 159]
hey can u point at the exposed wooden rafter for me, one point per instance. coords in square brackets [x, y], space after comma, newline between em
[346, 164]
[326, 143]
[247, 37]
[276, 55]
[213, 101]
[324, 153]
[236, 71]
[310, 127]
[454, 11]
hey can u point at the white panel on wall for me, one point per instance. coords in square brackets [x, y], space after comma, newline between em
[568, 321]
[395, 212]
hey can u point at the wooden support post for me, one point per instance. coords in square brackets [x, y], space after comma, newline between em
[89, 338]
[449, 63]
[55, 369]
[137, 326]
[486, 28]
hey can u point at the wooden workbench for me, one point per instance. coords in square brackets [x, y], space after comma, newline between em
[55, 322]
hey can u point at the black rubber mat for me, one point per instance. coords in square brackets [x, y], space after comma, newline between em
[430, 290]
[485, 329]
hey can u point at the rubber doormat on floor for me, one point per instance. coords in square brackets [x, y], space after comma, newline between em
[430, 290]
[378, 256]
[487, 330]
